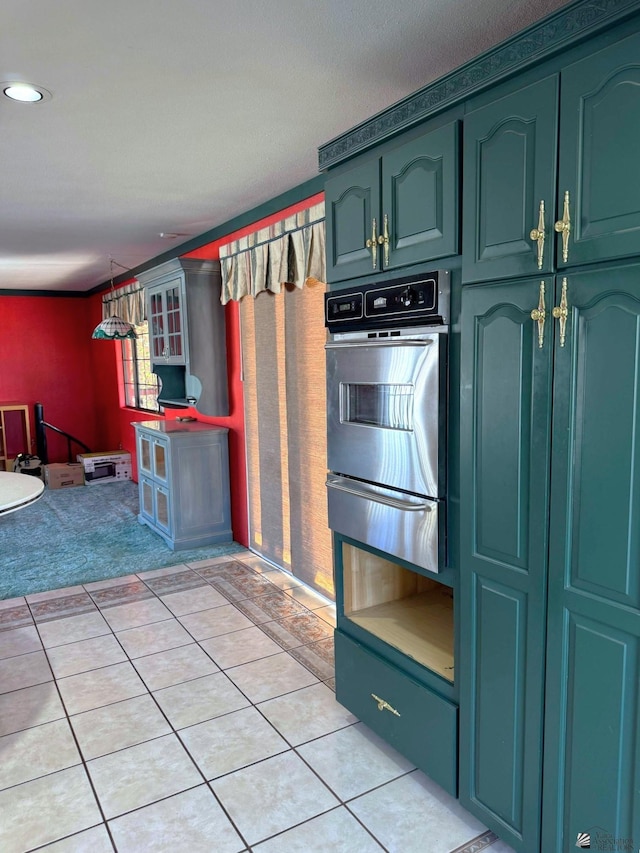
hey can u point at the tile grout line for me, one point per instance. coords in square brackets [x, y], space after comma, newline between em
[176, 731]
[292, 748]
[77, 744]
[172, 731]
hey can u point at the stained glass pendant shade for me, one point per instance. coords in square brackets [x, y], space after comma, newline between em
[113, 329]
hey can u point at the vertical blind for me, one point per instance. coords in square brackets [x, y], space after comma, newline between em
[283, 340]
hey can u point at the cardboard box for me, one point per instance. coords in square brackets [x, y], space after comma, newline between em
[107, 467]
[62, 475]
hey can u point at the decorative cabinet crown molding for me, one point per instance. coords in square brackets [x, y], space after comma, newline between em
[540, 41]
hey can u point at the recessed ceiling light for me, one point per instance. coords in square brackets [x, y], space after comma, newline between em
[172, 235]
[25, 93]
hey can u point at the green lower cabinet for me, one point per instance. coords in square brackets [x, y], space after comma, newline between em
[550, 560]
[505, 440]
[592, 721]
[409, 716]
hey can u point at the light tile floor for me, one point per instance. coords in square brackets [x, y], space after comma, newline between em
[192, 709]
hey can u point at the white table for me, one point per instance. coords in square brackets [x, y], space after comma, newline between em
[18, 491]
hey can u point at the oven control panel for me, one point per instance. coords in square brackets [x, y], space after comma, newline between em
[409, 301]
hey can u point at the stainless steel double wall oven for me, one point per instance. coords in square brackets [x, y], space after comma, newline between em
[386, 413]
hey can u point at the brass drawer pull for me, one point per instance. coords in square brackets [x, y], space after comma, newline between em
[537, 234]
[539, 314]
[384, 706]
[384, 240]
[561, 312]
[373, 242]
[563, 226]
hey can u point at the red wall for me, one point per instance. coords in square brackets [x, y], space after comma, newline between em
[77, 379]
[45, 358]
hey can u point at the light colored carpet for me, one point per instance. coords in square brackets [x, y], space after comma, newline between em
[83, 534]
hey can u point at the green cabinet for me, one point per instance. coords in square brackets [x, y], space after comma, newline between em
[599, 142]
[591, 752]
[592, 211]
[352, 201]
[413, 719]
[549, 557]
[509, 167]
[395, 655]
[505, 440]
[395, 207]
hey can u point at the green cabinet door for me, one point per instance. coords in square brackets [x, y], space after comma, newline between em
[592, 725]
[504, 476]
[352, 202]
[509, 169]
[420, 198]
[599, 143]
[406, 195]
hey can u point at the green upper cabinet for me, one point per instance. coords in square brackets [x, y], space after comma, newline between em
[517, 218]
[510, 184]
[599, 143]
[592, 750]
[352, 202]
[505, 443]
[397, 206]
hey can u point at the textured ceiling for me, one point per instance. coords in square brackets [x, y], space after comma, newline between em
[177, 115]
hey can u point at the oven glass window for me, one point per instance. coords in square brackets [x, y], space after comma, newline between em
[379, 405]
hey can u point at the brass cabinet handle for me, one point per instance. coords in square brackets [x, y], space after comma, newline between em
[563, 226]
[539, 314]
[537, 234]
[373, 243]
[384, 240]
[561, 313]
[384, 706]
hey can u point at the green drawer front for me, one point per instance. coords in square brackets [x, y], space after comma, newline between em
[425, 727]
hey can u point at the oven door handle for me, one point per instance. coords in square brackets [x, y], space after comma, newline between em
[387, 342]
[361, 491]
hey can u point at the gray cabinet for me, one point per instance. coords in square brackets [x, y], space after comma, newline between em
[187, 339]
[183, 480]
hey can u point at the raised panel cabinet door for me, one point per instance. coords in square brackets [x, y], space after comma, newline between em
[352, 202]
[592, 760]
[599, 143]
[509, 171]
[504, 478]
[420, 198]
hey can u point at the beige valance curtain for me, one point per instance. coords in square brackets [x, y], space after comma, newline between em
[126, 302]
[290, 251]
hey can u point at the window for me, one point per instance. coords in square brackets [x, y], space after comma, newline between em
[140, 384]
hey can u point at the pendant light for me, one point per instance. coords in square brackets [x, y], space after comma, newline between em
[113, 328]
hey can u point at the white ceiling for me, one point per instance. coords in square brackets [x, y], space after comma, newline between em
[177, 115]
